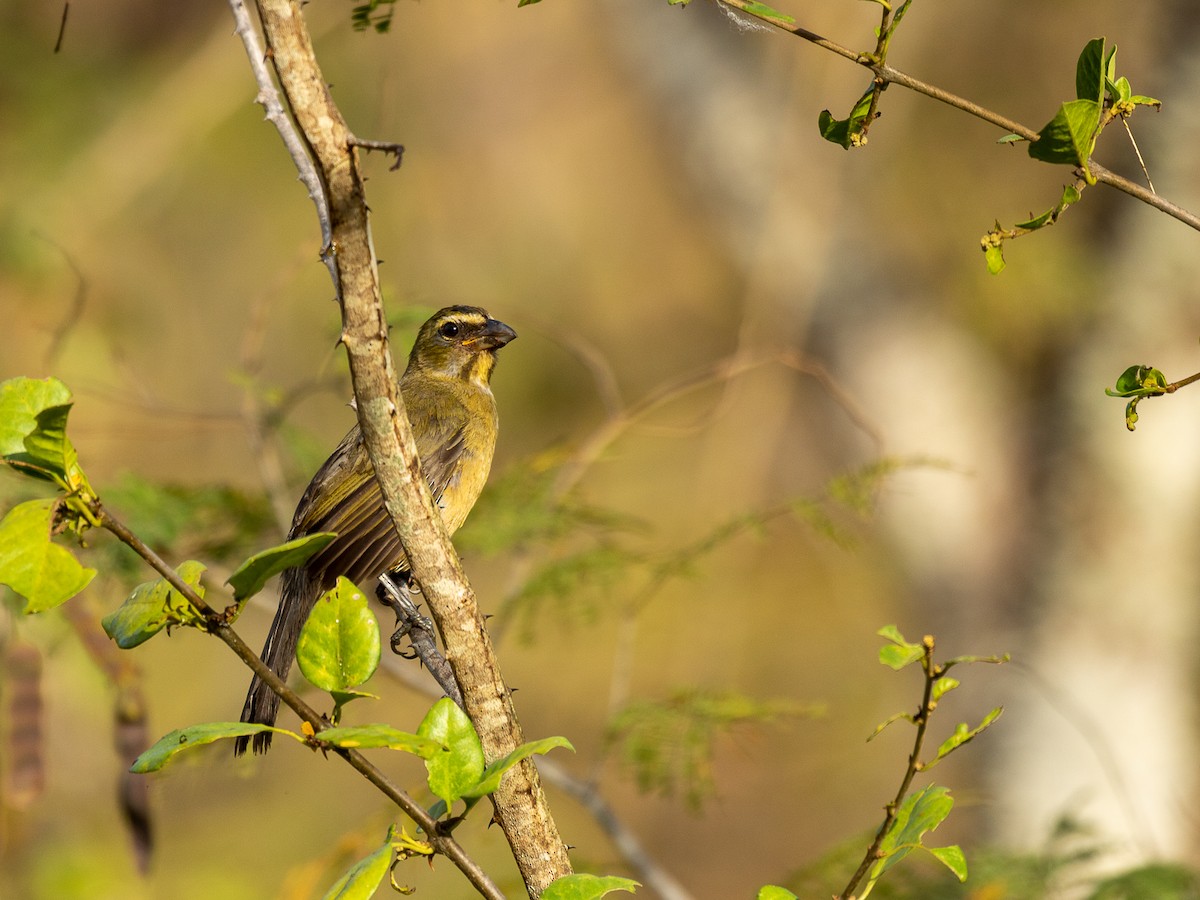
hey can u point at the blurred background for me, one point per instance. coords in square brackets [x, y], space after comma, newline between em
[721, 317]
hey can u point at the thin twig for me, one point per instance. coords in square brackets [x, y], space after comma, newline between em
[648, 871]
[1138, 152]
[62, 27]
[387, 147]
[628, 844]
[622, 417]
[268, 98]
[1182, 382]
[921, 720]
[895, 76]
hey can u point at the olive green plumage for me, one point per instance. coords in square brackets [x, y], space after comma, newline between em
[453, 416]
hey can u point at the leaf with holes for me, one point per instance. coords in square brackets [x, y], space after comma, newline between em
[339, 644]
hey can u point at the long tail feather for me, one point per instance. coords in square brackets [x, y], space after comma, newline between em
[298, 595]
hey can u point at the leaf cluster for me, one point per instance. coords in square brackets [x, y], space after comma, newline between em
[1136, 384]
[669, 744]
[34, 442]
[339, 645]
[581, 554]
[217, 522]
[1067, 863]
[373, 15]
[1069, 138]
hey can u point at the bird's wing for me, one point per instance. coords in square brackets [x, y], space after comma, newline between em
[367, 544]
[441, 455]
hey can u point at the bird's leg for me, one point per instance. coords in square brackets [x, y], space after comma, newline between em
[395, 590]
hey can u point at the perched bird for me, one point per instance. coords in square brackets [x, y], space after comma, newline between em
[447, 394]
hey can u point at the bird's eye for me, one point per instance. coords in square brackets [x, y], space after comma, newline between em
[449, 330]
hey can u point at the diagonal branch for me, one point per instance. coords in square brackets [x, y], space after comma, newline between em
[216, 624]
[894, 76]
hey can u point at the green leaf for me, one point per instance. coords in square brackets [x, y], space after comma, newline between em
[846, 132]
[365, 737]
[943, 686]
[1070, 195]
[894, 717]
[1139, 381]
[1090, 71]
[993, 241]
[153, 606]
[339, 644]
[670, 744]
[1010, 139]
[962, 734]
[1131, 416]
[363, 878]
[38, 569]
[370, 15]
[971, 658]
[50, 450]
[1152, 881]
[952, 858]
[774, 892]
[21, 401]
[582, 886]
[251, 575]
[898, 653]
[452, 773]
[994, 257]
[490, 780]
[170, 745]
[898, 657]
[762, 11]
[1068, 138]
[1037, 221]
[33, 431]
[919, 813]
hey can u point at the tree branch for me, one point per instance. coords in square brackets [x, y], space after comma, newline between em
[268, 98]
[520, 804]
[216, 625]
[895, 76]
[932, 673]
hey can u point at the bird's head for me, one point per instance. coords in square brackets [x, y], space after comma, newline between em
[459, 342]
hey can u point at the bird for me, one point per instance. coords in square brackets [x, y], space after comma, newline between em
[447, 394]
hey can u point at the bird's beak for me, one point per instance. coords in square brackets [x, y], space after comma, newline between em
[495, 335]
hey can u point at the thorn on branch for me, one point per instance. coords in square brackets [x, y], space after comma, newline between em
[395, 149]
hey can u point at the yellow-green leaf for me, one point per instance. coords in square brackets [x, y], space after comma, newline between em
[339, 645]
[170, 745]
[251, 575]
[32, 564]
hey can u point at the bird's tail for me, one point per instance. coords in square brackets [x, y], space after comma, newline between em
[298, 595]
